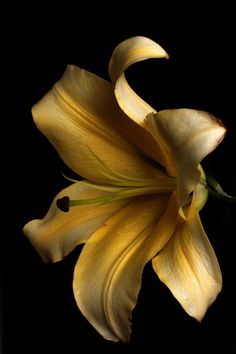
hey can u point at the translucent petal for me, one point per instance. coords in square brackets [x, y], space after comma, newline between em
[186, 137]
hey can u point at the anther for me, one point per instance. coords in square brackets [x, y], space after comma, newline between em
[63, 204]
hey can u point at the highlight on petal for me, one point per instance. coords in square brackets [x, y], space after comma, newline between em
[108, 274]
[125, 54]
[186, 136]
[80, 116]
[58, 233]
[188, 266]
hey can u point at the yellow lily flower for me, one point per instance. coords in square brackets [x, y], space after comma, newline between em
[139, 199]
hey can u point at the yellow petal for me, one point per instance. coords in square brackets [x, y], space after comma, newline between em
[58, 233]
[107, 277]
[125, 54]
[186, 137]
[188, 266]
[81, 119]
[201, 191]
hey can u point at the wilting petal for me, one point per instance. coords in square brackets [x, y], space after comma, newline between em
[186, 136]
[125, 54]
[80, 117]
[188, 266]
[58, 233]
[108, 274]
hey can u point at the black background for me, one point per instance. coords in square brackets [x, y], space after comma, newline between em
[39, 312]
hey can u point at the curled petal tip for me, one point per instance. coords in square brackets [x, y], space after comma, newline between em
[127, 53]
[131, 51]
[219, 121]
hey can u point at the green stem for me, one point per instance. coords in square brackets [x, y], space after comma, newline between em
[215, 190]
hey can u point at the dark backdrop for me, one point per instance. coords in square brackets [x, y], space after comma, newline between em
[39, 312]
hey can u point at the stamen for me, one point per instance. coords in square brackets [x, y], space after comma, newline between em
[65, 203]
[119, 187]
[97, 200]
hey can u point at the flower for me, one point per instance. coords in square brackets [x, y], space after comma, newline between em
[140, 196]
